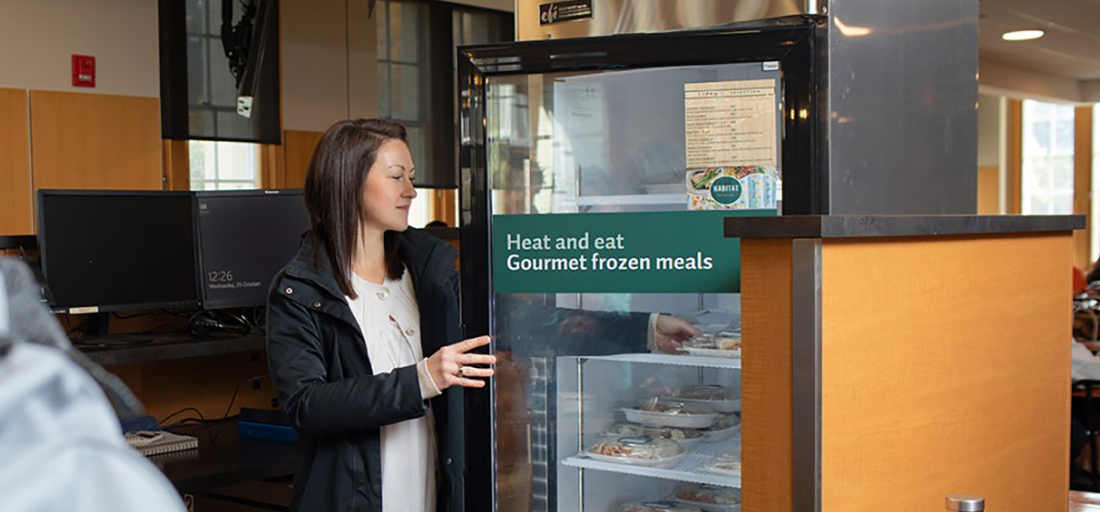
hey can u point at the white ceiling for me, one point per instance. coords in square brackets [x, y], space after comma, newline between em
[1070, 50]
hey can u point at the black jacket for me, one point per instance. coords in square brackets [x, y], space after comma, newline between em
[319, 365]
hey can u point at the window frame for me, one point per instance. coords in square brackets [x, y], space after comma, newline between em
[436, 56]
[1094, 194]
[265, 123]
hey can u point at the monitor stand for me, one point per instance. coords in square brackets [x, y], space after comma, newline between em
[97, 324]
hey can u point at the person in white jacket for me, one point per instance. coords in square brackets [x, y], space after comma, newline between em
[1085, 364]
[61, 446]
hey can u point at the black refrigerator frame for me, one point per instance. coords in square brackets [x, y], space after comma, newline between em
[795, 41]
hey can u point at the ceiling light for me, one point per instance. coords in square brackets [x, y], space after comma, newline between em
[1022, 35]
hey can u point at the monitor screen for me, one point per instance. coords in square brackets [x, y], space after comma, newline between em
[245, 238]
[117, 250]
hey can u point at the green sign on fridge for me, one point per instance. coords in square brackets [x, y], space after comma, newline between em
[650, 252]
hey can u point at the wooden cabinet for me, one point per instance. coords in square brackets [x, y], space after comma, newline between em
[52, 139]
[16, 211]
[95, 141]
[889, 362]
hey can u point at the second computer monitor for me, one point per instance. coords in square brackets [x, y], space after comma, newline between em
[244, 238]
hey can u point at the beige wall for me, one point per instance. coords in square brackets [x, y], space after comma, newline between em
[991, 149]
[328, 63]
[989, 185]
[329, 54]
[123, 36]
[989, 130]
[1090, 91]
[1016, 82]
[990, 154]
[500, 5]
[38, 38]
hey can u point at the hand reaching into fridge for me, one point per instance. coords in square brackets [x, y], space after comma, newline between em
[671, 332]
[453, 365]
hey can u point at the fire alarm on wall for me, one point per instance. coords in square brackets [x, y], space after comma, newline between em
[83, 71]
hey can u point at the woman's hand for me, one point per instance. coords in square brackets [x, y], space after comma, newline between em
[452, 366]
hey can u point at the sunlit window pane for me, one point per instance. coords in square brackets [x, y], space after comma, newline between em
[223, 165]
[1047, 173]
[419, 212]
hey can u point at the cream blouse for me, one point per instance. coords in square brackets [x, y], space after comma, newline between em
[389, 319]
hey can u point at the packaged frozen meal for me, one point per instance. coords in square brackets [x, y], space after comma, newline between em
[706, 392]
[721, 344]
[680, 435]
[727, 340]
[641, 450]
[670, 407]
[710, 497]
[670, 413]
[626, 429]
[658, 506]
[724, 421]
[712, 396]
[723, 427]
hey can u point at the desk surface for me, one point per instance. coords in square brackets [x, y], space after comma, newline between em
[161, 347]
[223, 458]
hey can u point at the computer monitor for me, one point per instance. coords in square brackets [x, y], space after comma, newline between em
[117, 250]
[244, 239]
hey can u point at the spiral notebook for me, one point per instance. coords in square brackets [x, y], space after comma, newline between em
[149, 443]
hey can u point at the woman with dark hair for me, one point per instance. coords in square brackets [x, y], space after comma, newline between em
[364, 336]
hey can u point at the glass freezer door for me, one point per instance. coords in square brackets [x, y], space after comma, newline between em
[613, 296]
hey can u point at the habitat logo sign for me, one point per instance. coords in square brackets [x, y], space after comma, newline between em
[725, 190]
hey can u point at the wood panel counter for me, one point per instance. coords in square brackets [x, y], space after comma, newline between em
[891, 360]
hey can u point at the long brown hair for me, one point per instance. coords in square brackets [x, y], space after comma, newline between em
[334, 193]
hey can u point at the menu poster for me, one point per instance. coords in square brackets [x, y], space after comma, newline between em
[730, 137]
[730, 123]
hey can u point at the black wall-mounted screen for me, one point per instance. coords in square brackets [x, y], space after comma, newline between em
[244, 239]
[198, 91]
[117, 250]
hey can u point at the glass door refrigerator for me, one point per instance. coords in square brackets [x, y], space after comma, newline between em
[595, 176]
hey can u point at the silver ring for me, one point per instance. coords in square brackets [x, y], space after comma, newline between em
[461, 371]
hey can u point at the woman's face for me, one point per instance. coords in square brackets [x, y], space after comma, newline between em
[389, 191]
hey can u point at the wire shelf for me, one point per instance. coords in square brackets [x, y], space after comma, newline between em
[673, 359]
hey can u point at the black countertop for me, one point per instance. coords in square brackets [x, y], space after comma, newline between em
[850, 226]
[127, 349]
[223, 458]
[18, 242]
